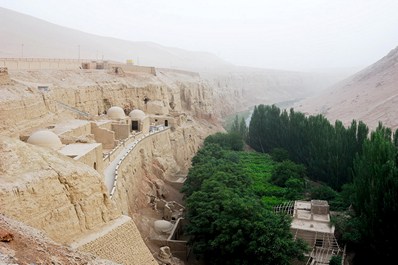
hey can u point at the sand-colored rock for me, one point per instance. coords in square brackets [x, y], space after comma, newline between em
[6, 236]
[160, 156]
[25, 106]
[51, 192]
[31, 246]
[123, 245]
[4, 77]
[68, 200]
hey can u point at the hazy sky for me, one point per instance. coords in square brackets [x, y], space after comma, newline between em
[281, 34]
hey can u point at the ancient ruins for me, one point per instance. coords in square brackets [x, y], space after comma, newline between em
[92, 151]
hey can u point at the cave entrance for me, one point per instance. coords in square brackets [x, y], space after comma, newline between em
[134, 125]
[166, 123]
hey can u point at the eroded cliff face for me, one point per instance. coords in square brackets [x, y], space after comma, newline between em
[156, 159]
[30, 246]
[35, 97]
[51, 192]
[67, 199]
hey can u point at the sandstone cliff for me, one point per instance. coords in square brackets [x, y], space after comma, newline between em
[35, 98]
[51, 192]
[30, 246]
[68, 200]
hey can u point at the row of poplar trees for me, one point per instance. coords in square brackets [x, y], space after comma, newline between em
[342, 157]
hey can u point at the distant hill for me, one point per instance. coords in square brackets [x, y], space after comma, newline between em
[41, 39]
[371, 95]
[37, 38]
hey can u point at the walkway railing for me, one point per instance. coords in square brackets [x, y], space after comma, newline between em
[116, 172]
[123, 143]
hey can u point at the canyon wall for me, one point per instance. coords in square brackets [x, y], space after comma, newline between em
[157, 158]
[36, 98]
[67, 199]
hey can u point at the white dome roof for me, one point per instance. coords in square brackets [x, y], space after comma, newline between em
[137, 114]
[116, 113]
[163, 226]
[45, 139]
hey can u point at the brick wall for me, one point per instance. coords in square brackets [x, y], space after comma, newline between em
[123, 245]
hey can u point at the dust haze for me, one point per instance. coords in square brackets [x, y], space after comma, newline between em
[294, 35]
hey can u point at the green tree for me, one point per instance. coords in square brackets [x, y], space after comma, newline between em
[375, 198]
[235, 125]
[243, 128]
[326, 150]
[228, 222]
[229, 141]
[229, 227]
[323, 192]
[279, 154]
[287, 170]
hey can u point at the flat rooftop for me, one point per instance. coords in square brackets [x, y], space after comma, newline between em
[303, 219]
[314, 226]
[102, 122]
[78, 150]
[68, 126]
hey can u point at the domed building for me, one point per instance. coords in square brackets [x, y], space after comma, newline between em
[137, 114]
[163, 226]
[116, 113]
[139, 121]
[45, 138]
[120, 124]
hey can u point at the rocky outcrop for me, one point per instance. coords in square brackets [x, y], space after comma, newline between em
[4, 77]
[30, 246]
[51, 192]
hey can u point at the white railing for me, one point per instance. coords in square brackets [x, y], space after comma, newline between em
[116, 172]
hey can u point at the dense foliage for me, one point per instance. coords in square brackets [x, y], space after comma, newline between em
[375, 198]
[230, 141]
[229, 199]
[239, 127]
[363, 169]
[229, 120]
[326, 150]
